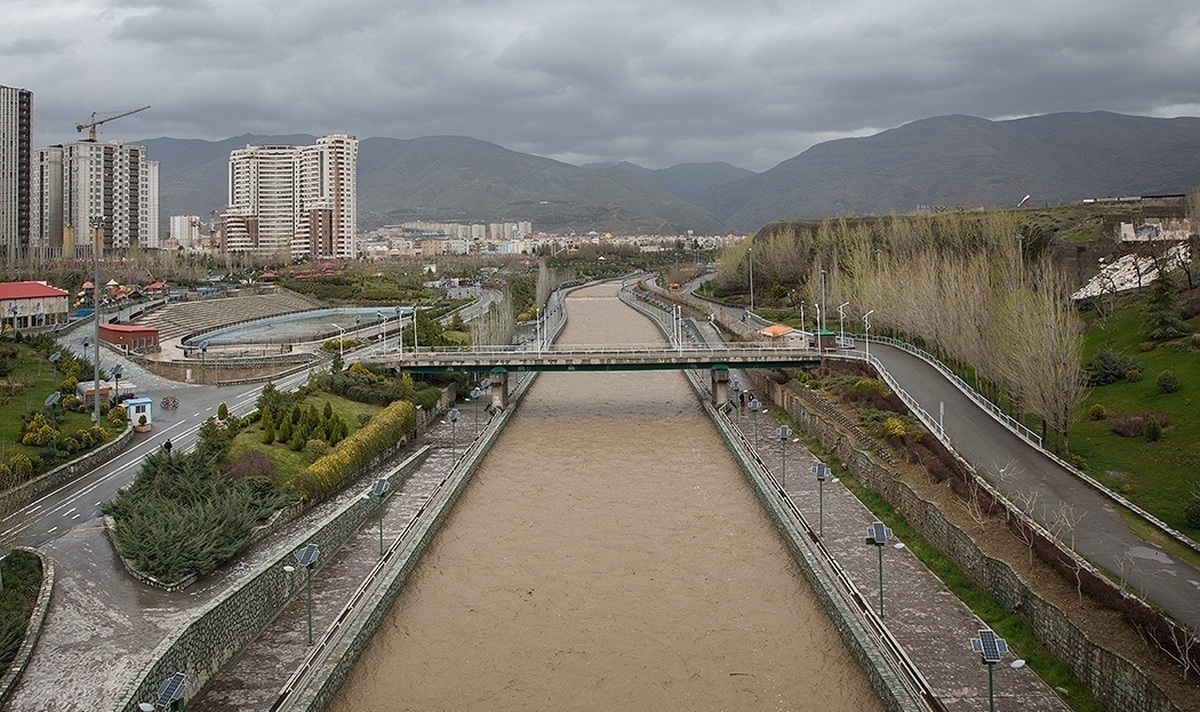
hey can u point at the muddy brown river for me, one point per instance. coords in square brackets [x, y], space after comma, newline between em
[607, 556]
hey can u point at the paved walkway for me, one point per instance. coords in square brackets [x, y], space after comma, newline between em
[932, 624]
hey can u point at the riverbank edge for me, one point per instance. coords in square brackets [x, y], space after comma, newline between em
[341, 659]
[219, 632]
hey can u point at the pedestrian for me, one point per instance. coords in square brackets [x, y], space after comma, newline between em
[742, 400]
[167, 446]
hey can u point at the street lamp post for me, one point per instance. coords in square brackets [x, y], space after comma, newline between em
[990, 647]
[382, 328]
[97, 224]
[878, 535]
[475, 395]
[821, 470]
[867, 332]
[116, 374]
[341, 342]
[307, 557]
[842, 324]
[453, 417]
[822, 312]
[399, 333]
[380, 490]
[750, 251]
[755, 404]
[784, 433]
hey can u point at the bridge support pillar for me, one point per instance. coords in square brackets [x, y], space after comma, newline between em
[720, 385]
[499, 388]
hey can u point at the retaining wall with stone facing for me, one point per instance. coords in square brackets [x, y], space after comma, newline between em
[1117, 682]
[227, 624]
[33, 631]
[12, 499]
[331, 672]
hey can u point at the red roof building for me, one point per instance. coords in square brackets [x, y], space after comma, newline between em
[25, 305]
[130, 337]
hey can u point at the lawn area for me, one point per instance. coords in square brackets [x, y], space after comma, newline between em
[1158, 476]
[286, 461]
[25, 387]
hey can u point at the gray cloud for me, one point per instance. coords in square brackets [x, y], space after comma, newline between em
[751, 84]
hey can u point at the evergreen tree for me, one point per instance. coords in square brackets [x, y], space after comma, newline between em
[1163, 318]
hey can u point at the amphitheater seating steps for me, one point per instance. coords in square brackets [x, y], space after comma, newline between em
[179, 319]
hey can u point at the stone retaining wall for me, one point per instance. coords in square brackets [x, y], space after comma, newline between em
[227, 624]
[33, 631]
[1112, 679]
[861, 644]
[339, 661]
[11, 500]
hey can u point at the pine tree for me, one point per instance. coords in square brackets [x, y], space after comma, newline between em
[1163, 318]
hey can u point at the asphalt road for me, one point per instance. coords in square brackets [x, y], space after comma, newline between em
[1018, 470]
[77, 502]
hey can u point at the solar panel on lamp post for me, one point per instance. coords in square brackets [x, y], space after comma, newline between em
[784, 433]
[307, 557]
[990, 647]
[169, 696]
[475, 395]
[380, 490]
[821, 470]
[755, 404]
[878, 534]
[453, 417]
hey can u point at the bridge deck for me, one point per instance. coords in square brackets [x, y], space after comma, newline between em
[603, 358]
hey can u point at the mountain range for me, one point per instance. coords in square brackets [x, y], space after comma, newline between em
[941, 161]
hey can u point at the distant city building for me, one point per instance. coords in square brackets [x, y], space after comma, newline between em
[46, 206]
[85, 189]
[298, 201]
[184, 230]
[113, 186]
[16, 142]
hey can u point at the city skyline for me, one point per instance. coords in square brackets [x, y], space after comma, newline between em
[747, 84]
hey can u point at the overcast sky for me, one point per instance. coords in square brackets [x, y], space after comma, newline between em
[750, 82]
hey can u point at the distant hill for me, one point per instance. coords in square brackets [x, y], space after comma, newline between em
[961, 160]
[944, 161]
[450, 178]
[686, 180]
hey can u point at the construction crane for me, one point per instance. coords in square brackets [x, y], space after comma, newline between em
[91, 125]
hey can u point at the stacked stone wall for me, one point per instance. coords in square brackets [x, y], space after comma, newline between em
[1114, 680]
[229, 623]
[12, 499]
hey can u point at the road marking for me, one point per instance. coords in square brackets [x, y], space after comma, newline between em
[52, 530]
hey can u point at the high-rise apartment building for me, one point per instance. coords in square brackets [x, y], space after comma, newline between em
[46, 205]
[293, 201]
[16, 144]
[111, 187]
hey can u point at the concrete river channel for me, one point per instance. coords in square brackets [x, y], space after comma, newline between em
[608, 555]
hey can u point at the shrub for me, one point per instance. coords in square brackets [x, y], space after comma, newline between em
[1098, 412]
[223, 411]
[1167, 381]
[1133, 376]
[251, 463]
[1128, 425]
[1108, 366]
[1191, 512]
[1153, 430]
[315, 448]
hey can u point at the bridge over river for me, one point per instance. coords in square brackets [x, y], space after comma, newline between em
[500, 361]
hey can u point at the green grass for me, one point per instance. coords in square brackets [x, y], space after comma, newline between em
[287, 462]
[1157, 476]
[32, 379]
[1020, 636]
